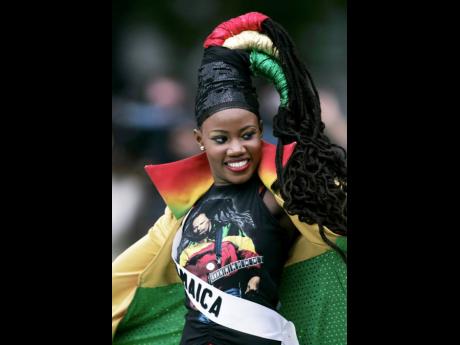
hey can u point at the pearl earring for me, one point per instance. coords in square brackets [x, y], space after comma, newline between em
[202, 148]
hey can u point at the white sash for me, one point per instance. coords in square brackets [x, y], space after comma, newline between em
[231, 311]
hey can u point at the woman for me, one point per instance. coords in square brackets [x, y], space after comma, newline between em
[293, 195]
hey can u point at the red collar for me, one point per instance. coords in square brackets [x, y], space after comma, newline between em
[183, 182]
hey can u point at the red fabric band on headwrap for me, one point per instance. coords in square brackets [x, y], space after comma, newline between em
[249, 21]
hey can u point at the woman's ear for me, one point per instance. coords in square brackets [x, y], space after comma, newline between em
[198, 137]
[261, 127]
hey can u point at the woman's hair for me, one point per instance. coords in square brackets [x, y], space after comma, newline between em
[224, 212]
[219, 211]
[314, 182]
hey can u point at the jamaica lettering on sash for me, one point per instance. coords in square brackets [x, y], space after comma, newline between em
[205, 297]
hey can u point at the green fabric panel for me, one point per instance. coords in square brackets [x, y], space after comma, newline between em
[318, 307]
[313, 296]
[341, 242]
[263, 65]
[155, 316]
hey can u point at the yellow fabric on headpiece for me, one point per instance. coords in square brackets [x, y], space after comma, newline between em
[252, 40]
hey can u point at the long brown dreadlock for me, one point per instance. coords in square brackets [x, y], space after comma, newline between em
[314, 182]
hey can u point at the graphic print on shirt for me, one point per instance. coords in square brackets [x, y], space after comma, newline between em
[216, 246]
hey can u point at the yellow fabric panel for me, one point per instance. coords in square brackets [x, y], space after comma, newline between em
[129, 266]
[119, 309]
[161, 270]
[303, 250]
[310, 244]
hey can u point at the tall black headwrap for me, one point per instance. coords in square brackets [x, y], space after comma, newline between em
[224, 81]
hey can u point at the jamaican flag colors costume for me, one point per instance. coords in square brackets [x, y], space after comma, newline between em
[147, 291]
[148, 301]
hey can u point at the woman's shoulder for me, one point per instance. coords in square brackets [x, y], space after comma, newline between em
[271, 204]
[278, 213]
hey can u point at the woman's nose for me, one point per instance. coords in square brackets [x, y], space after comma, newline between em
[235, 148]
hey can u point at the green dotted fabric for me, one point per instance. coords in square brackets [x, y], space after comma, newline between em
[155, 316]
[317, 306]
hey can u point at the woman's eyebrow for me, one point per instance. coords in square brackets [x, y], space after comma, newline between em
[246, 127]
[241, 129]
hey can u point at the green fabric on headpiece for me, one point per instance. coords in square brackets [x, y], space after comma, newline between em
[263, 65]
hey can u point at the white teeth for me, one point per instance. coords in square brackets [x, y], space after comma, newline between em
[238, 164]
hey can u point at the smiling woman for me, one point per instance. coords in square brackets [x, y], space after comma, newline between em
[233, 144]
[248, 226]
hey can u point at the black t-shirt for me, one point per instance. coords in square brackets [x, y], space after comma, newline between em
[230, 239]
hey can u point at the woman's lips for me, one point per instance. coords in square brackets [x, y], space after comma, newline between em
[237, 166]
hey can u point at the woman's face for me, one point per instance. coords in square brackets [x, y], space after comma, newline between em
[232, 139]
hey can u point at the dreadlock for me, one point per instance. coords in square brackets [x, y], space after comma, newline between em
[313, 184]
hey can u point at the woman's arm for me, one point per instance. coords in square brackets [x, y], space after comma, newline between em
[310, 243]
[283, 218]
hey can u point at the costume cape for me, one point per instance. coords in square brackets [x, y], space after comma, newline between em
[147, 294]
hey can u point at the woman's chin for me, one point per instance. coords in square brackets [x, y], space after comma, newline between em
[239, 179]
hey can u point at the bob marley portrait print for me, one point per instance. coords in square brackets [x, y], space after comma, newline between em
[217, 247]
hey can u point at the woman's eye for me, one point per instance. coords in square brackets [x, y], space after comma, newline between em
[219, 139]
[248, 136]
